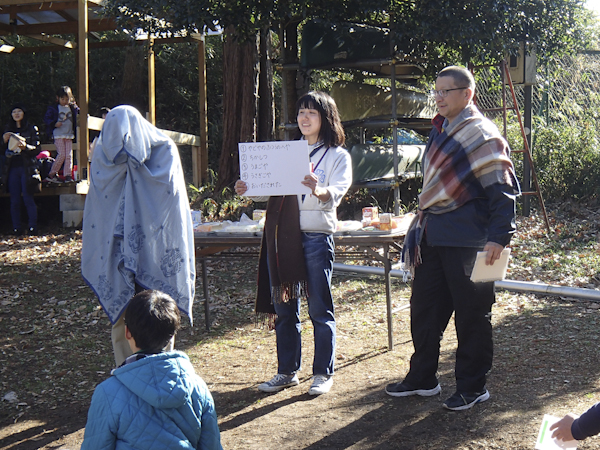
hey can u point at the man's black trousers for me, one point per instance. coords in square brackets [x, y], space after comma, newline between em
[442, 286]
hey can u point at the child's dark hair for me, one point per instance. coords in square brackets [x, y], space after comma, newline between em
[153, 319]
[332, 131]
[65, 91]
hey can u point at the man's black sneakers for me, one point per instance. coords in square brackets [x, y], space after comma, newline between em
[404, 390]
[465, 400]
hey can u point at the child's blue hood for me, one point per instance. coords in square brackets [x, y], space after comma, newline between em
[162, 380]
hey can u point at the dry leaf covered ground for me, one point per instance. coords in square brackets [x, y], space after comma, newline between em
[55, 347]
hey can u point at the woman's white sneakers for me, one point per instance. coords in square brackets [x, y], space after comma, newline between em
[279, 382]
[320, 385]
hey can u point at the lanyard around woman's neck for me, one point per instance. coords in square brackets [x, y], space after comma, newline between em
[314, 152]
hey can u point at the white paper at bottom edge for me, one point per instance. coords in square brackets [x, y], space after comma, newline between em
[545, 441]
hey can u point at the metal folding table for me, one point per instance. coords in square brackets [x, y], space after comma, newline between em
[378, 246]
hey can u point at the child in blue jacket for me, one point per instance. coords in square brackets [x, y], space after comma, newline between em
[154, 399]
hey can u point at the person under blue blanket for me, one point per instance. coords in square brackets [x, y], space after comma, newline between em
[578, 427]
[137, 227]
[154, 400]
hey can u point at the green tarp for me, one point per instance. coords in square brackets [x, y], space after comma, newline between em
[361, 101]
[375, 162]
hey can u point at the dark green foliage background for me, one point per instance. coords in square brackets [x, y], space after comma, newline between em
[32, 79]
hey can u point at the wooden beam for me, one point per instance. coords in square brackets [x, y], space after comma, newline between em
[95, 123]
[202, 160]
[63, 14]
[16, 3]
[94, 45]
[151, 83]
[53, 40]
[196, 164]
[84, 90]
[52, 6]
[15, 19]
[58, 27]
[182, 138]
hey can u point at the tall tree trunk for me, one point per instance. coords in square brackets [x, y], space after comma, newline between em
[266, 104]
[289, 48]
[231, 116]
[249, 100]
[240, 91]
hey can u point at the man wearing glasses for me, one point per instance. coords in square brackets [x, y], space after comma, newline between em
[467, 205]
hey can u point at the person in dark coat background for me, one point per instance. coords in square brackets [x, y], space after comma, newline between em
[20, 167]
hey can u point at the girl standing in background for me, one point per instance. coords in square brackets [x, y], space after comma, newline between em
[60, 120]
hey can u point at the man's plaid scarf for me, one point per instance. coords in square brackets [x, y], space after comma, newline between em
[462, 160]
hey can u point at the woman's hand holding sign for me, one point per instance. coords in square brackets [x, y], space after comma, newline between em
[310, 181]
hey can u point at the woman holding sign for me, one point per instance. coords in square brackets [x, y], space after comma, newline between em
[297, 252]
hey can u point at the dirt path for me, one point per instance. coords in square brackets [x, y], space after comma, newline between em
[55, 347]
[528, 380]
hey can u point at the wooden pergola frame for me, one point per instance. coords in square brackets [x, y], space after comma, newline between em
[40, 19]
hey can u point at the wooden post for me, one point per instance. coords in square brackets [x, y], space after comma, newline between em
[196, 166]
[201, 162]
[151, 82]
[83, 93]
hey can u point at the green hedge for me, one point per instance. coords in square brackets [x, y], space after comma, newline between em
[566, 159]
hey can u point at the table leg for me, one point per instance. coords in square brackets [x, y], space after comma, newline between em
[206, 298]
[388, 295]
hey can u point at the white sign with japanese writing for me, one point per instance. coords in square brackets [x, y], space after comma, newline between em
[274, 168]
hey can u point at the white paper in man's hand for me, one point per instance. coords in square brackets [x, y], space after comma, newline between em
[545, 440]
[274, 168]
[496, 272]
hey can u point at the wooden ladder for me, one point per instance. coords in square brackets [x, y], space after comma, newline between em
[507, 80]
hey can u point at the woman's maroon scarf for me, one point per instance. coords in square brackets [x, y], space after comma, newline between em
[281, 268]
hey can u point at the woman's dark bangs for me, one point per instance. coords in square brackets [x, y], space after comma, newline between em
[307, 103]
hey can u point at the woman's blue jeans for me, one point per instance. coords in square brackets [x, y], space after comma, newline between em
[17, 186]
[319, 256]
